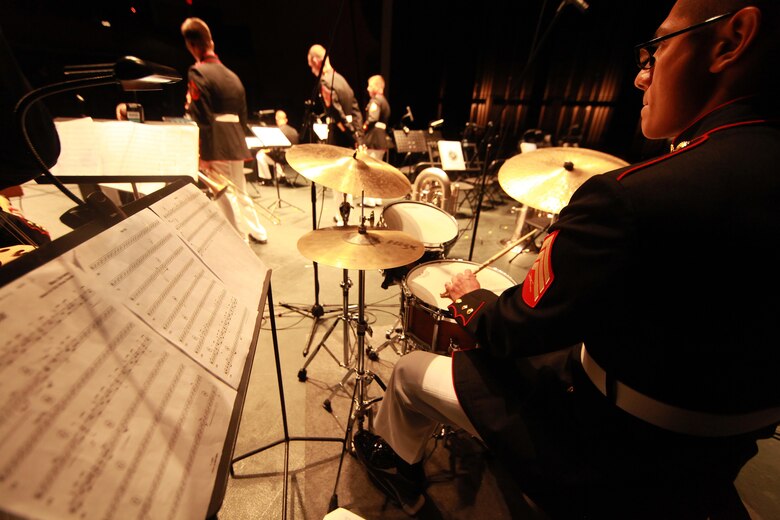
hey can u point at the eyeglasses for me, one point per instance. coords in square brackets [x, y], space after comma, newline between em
[644, 53]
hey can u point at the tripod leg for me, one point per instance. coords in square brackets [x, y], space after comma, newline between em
[334, 499]
[327, 402]
[302, 372]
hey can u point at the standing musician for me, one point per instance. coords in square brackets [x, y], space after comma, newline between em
[631, 373]
[345, 122]
[216, 101]
[375, 125]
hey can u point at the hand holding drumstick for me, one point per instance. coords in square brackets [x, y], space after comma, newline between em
[466, 281]
[461, 284]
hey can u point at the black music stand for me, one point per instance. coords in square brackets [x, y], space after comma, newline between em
[410, 142]
[29, 262]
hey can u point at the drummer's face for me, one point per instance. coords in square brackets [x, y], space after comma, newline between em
[675, 86]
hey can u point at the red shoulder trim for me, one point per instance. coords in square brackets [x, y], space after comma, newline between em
[693, 144]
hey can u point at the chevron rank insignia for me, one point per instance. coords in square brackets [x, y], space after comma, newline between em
[540, 276]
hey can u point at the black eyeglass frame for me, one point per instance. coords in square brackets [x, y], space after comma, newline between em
[650, 60]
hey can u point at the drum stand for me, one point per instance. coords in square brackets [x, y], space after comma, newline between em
[395, 335]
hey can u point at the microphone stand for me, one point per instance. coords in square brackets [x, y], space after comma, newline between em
[317, 311]
[581, 6]
[488, 139]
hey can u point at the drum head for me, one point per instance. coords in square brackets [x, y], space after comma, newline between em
[426, 281]
[429, 224]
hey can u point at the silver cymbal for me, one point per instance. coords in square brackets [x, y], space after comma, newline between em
[546, 178]
[347, 247]
[348, 171]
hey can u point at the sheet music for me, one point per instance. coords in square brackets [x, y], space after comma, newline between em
[100, 417]
[209, 234]
[126, 148]
[146, 263]
[78, 138]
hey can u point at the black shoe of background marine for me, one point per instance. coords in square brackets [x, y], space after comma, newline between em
[401, 482]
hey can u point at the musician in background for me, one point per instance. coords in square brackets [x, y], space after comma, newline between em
[632, 372]
[277, 158]
[216, 101]
[345, 122]
[375, 125]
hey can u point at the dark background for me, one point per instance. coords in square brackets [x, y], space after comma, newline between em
[463, 62]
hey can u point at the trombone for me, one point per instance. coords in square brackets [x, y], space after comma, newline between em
[217, 184]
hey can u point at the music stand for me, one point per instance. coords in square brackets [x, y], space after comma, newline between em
[271, 137]
[411, 142]
[113, 475]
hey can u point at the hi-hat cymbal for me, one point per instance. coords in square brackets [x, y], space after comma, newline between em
[348, 171]
[546, 178]
[347, 248]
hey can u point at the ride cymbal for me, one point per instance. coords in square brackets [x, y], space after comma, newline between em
[546, 178]
[348, 171]
[347, 247]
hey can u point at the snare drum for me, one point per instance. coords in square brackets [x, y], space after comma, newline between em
[425, 311]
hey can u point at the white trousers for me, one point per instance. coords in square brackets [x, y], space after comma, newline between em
[420, 397]
[236, 204]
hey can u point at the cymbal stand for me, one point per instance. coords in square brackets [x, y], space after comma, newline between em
[361, 405]
[362, 327]
[344, 318]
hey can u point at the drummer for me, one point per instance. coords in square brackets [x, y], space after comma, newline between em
[630, 374]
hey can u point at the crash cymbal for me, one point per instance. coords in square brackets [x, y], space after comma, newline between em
[349, 248]
[348, 171]
[546, 178]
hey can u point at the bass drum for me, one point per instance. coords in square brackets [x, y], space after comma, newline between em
[425, 315]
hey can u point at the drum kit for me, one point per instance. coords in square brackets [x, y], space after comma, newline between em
[412, 238]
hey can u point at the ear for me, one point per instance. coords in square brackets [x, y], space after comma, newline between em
[735, 37]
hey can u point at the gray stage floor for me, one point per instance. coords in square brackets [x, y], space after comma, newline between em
[466, 483]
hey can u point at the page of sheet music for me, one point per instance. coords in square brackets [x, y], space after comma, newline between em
[149, 266]
[78, 150]
[210, 235]
[100, 417]
[90, 148]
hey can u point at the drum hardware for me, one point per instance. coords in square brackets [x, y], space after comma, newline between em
[345, 318]
[346, 171]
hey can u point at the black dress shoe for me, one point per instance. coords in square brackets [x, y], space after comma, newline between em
[396, 478]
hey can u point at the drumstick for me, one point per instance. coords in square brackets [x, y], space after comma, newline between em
[501, 253]
[504, 251]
